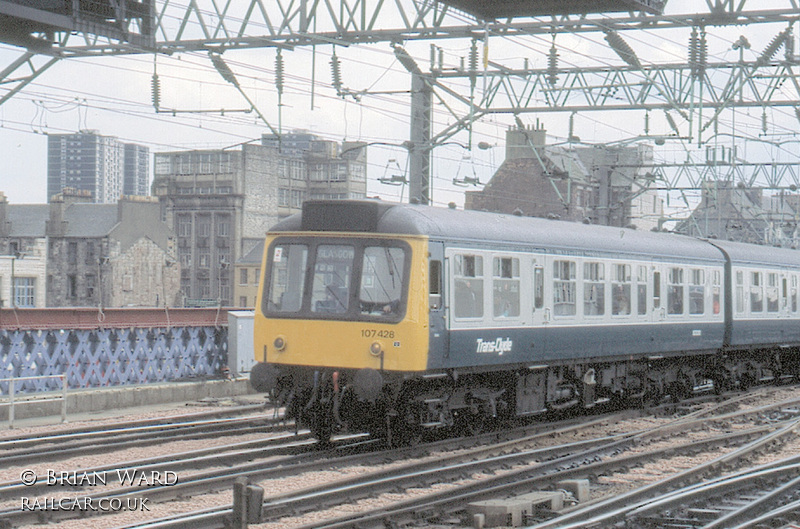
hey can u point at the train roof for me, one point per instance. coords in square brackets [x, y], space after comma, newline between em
[477, 227]
[753, 254]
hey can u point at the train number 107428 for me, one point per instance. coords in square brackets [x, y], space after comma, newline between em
[374, 333]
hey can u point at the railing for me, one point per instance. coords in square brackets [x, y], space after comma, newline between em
[12, 402]
[112, 347]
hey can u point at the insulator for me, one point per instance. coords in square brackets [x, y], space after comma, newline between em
[693, 52]
[702, 55]
[764, 122]
[473, 57]
[797, 113]
[672, 123]
[155, 92]
[279, 72]
[552, 66]
[772, 48]
[624, 51]
[336, 74]
[223, 69]
[789, 45]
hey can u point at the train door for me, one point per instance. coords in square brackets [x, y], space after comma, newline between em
[439, 342]
[540, 311]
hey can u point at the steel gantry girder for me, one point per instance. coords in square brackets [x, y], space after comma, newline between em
[698, 96]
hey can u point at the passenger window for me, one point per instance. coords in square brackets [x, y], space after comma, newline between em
[756, 292]
[675, 291]
[641, 289]
[794, 294]
[697, 299]
[505, 287]
[739, 291]
[772, 292]
[715, 292]
[593, 289]
[435, 282]
[621, 300]
[468, 279]
[563, 288]
[538, 287]
[656, 290]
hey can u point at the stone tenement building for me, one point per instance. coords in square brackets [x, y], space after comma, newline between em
[221, 203]
[88, 255]
[599, 185]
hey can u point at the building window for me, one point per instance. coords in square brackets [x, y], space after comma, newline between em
[283, 197]
[24, 292]
[243, 276]
[242, 301]
[72, 286]
[72, 252]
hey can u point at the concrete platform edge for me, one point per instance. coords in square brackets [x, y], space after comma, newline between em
[100, 399]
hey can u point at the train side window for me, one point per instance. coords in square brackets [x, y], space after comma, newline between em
[594, 299]
[641, 290]
[739, 291]
[621, 286]
[505, 287]
[656, 290]
[287, 281]
[435, 285]
[772, 292]
[784, 292]
[468, 283]
[675, 291]
[564, 288]
[756, 292]
[697, 299]
[794, 293]
[538, 287]
[715, 291]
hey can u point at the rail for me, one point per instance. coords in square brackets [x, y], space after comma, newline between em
[33, 399]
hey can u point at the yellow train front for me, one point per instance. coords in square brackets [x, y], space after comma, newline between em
[342, 318]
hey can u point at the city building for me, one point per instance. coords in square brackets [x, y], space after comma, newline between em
[738, 213]
[248, 276]
[101, 165]
[592, 184]
[222, 202]
[75, 253]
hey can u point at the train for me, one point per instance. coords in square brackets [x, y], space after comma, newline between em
[400, 319]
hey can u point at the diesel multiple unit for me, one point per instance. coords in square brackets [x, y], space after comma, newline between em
[394, 319]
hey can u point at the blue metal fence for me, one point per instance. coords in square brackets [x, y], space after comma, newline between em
[102, 357]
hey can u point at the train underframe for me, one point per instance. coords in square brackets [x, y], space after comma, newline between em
[403, 407]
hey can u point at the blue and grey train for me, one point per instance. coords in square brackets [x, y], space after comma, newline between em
[395, 319]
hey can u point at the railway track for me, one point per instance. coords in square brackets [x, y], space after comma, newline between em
[69, 443]
[532, 470]
[458, 472]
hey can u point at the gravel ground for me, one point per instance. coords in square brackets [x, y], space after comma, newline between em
[606, 485]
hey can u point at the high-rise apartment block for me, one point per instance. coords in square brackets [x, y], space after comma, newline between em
[100, 165]
[222, 202]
